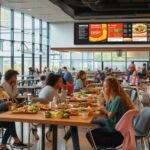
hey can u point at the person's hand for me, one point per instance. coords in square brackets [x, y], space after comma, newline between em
[8, 103]
[102, 93]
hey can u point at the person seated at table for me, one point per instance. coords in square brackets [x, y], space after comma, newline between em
[42, 81]
[134, 79]
[142, 73]
[80, 81]
[54, 83]
[10, 83]
[117, 103]
[10, 130]
[3, 94]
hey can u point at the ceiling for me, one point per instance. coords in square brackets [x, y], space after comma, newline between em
[82, 10]
[42, 9]
[104, 9]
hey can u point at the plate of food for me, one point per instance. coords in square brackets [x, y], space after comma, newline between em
[26, 109]
[41, 106]
[139, 30]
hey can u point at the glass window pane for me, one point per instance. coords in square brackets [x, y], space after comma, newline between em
[119, 66]
[5, 17]
[98, 65]
[6, 63]
[17, 64]
[27, 64]
[76, 55]
[5, 33]
[17, 20]
[138, 55]
[54, 65]
[28, 28]
[44, 62]
[37, 62]
[5, 48]
[37, 50]
[37, 31]
[106, 56]
[77, 64]
[65, 55]
[97, 56]
[107, 64]
[118, 56]
[65, 63]
[27, 49]
[17, 49]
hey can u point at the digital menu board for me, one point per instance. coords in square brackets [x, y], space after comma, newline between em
[100, 33]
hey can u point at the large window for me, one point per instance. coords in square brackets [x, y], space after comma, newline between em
[23, 39]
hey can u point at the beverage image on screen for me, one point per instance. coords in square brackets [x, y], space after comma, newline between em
[139, 32]
[97, 32]
[115, 32]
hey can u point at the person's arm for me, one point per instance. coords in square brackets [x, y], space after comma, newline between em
[106, 112]
[114, 108]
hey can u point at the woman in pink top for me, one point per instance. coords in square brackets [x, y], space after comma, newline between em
[134, 78]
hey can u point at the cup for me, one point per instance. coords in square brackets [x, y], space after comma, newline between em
[51, 105]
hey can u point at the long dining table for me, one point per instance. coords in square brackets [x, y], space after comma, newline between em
[40, 118]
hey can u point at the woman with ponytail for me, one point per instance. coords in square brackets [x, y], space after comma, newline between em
[117, 103]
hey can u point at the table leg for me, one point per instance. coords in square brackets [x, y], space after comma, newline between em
[43, 137]
[54, 137]
[22, 131]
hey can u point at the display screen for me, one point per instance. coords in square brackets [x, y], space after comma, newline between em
[100, 33]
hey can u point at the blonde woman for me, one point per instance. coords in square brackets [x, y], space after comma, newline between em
[117, 103]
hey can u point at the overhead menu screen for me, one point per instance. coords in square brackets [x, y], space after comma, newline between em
[100, 33]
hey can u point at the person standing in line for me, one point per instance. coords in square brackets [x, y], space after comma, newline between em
[131, 69]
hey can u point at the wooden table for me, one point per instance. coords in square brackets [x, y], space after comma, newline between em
[39, 118]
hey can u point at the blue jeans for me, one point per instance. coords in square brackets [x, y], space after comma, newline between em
[73, 132]
[10, 131]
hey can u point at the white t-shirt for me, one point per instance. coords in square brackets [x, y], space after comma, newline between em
[11, 91]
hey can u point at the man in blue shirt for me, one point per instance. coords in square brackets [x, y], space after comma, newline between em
[67, 75]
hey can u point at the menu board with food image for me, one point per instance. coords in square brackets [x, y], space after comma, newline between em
[115, 32]
[139, 32]
[112, 33]
[97, 32]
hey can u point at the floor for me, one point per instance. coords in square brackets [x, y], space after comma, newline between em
[84, 145]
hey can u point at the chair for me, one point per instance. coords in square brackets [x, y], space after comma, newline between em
[124, 126]
[142, 128]
[133, 95]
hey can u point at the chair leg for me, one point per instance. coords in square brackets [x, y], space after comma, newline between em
[29, 134]
[138, 144]
[93, 142]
